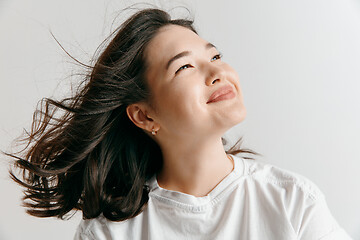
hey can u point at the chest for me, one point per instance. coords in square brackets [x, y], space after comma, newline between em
[235, 217]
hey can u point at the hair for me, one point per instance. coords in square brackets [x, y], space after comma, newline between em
[90, 156]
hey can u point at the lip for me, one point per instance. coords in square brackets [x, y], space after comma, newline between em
[222, 93]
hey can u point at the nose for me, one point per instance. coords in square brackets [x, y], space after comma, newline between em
[214, 74]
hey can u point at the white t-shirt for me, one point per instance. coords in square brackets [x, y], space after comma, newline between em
[255, 201]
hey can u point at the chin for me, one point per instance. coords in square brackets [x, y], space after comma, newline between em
[231, 115]
[239, 115]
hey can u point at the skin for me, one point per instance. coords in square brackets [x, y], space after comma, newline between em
[188, 129]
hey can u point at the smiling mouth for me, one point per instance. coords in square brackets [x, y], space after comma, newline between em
[230, 94]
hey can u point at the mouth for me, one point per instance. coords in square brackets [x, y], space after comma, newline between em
[223, 93]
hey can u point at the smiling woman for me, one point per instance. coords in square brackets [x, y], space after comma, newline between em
[188, 119]
[139, 149]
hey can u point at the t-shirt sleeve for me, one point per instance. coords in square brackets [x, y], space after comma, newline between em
[318, 223]
[92, 229]
[310, 214]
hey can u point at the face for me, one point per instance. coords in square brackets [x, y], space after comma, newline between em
[181, 86]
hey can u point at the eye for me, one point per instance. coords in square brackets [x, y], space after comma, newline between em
[216, 57]
[183, 67]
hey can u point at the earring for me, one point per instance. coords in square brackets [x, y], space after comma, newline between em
[153, 132]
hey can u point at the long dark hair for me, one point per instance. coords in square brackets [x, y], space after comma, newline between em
[83, 152]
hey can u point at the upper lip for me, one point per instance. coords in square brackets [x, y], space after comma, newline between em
[221, 91]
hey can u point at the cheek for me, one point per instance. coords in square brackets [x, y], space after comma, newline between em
[234, 78]
[232, 73]
[180, 102]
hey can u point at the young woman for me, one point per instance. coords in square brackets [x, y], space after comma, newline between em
[139, 149]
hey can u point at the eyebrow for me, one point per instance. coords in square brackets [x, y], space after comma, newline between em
[186, 53]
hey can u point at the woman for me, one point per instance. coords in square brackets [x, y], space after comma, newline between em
[139, 149]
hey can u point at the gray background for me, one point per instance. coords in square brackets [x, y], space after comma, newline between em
[299, 67]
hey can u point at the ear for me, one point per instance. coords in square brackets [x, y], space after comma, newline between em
[138, 114]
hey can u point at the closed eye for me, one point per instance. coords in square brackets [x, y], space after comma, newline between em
[183, 67]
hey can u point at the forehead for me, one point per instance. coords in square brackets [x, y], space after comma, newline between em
[169, 41]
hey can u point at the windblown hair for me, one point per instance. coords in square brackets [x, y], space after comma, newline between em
[90, 156]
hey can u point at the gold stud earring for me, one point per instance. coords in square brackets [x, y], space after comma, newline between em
[153, 132]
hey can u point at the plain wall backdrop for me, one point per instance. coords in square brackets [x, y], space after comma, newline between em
[299, 68]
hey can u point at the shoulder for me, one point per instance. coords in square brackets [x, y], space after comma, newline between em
[281, 179]
[101, 228]
[294, 197]
[95, 228]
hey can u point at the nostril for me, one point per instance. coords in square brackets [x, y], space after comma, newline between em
[215, 80]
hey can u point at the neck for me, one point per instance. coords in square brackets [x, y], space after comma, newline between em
[195, 171]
